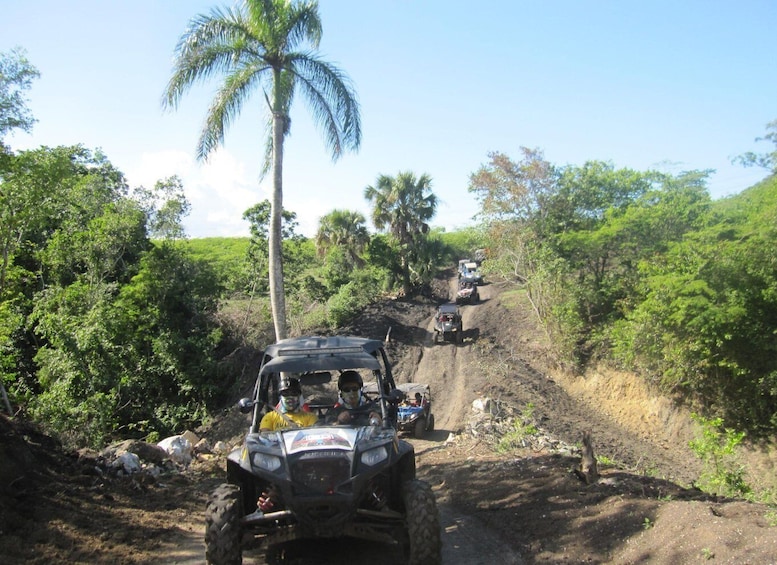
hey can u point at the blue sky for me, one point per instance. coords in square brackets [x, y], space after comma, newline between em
[666, 84]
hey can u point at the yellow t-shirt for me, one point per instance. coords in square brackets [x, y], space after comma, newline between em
[273, 421]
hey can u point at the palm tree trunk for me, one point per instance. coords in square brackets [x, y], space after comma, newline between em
[405, 275]
[277, 294]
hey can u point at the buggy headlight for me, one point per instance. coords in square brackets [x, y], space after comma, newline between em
[374, 456]
[266, 462]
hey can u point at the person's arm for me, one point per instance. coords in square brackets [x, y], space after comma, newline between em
[361, 415]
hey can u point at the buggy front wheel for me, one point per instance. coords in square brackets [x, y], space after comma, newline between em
[222, 526]
[419, 428]
[422, 520]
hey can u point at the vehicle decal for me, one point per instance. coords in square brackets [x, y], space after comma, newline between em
[312, 438]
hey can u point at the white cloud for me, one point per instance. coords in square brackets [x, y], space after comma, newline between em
[219, 190]
[159, 165]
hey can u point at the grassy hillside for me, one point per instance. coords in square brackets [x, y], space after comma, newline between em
[219, 250]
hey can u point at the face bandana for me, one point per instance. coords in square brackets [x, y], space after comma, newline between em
[351, 397]
[289, 403]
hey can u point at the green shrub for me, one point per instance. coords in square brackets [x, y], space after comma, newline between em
[716, 447]
[351, 298]
[522, 426]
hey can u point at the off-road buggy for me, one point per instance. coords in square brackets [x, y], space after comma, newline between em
[467, 293]
[448, 324]
[415, 411]
[414, 414]
[326, 481]
[470, 272]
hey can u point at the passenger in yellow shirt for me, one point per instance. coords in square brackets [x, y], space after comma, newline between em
[288, 412]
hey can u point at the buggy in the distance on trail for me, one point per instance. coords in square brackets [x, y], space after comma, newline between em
[414, 414]
[448, 323]
[469, 271]
[467, 293]
[415, 411]
[327, 480]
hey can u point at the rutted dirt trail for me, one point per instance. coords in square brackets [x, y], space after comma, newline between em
[446, 368]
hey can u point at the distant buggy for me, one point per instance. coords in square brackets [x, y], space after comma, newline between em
[326, 481]
[415, 412]
[470, 272]
[467, 293]
[448, 325]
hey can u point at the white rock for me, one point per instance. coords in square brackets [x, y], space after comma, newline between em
[481, 405]
[179, 448]
[127, 461]
[220, 447]
[192, 437]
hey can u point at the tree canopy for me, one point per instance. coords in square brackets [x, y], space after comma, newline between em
[403, 205]
[641, 269]
[16, 76]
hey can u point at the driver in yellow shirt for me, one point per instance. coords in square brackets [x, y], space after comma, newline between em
[289, 411]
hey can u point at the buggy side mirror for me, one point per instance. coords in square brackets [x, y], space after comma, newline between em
[245, 405]
[396, 396]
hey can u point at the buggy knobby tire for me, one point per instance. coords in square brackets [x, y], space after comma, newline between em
[222, 526]
[419, 428]
[423, 524]
[430, 427]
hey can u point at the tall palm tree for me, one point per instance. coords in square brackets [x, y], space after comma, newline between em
[266, 44]
[403, 205]
[346, 229]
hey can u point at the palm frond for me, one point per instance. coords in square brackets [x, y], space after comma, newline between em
[334, 107]
[226, 106]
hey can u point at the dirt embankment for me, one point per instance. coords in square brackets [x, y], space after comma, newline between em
[524, 505]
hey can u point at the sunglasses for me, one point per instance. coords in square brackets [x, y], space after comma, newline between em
[350, 389]
[289, 394]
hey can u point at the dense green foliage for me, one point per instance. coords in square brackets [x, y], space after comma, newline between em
[102, 330]
[643, 270]
[402, 206]
[106, 332]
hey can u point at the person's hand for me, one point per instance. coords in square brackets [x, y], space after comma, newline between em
[265, 503]
[375, 419]
[344, 417]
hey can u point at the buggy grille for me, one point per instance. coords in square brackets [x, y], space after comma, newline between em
[321, 476]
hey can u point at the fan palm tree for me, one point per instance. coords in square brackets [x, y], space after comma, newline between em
[403, 206]
[267, 45]
[346, 229]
